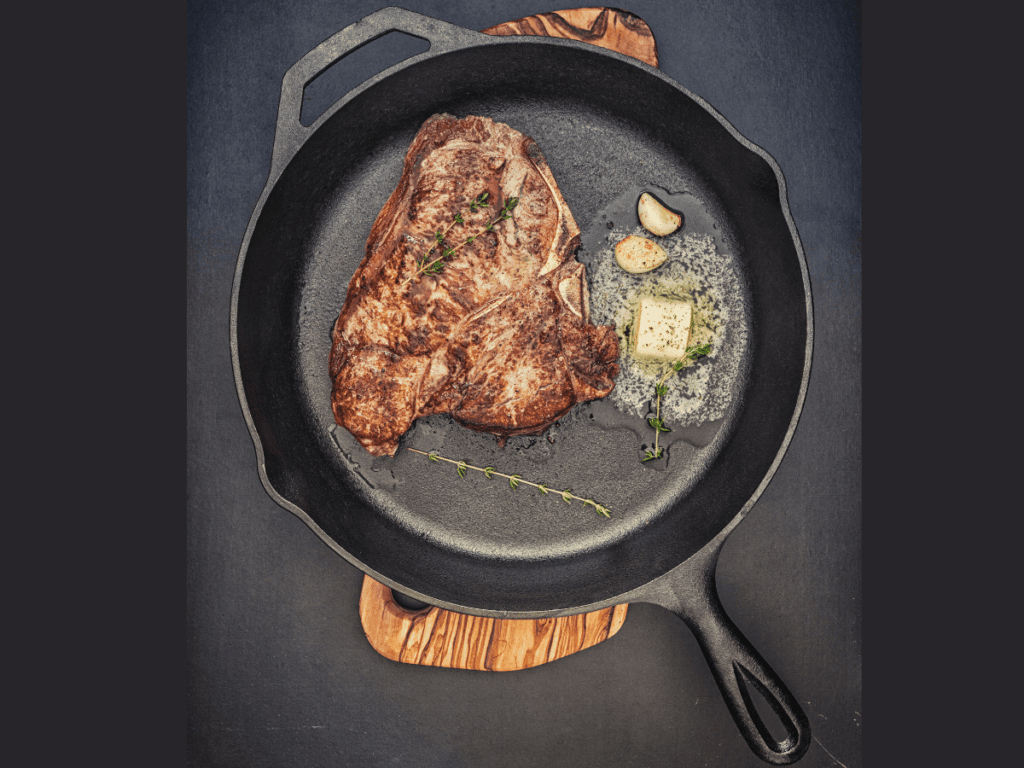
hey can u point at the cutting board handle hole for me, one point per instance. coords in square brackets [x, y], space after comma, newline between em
[409, 603]
[353, 69]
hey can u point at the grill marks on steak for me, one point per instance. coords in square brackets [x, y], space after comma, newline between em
[501, 339]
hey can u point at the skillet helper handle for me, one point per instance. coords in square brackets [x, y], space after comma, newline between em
[441, 35]
[736, 665]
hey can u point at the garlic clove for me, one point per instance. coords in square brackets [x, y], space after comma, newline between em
[656, 218]
[637, 254]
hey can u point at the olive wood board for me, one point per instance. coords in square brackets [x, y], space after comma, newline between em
[436, 637]
[611, 28]
[439, 638]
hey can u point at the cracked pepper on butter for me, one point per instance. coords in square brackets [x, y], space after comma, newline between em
[661, 329]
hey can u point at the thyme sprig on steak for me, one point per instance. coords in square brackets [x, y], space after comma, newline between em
[656, 422]
[427, 266]
[514, 481]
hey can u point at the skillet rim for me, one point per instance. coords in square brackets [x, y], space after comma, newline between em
[286, 147]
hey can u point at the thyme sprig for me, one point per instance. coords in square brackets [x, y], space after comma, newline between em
[514, 481]
[657, 423]
[427, 266]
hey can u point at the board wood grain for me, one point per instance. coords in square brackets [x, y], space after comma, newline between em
[609, 28]
[439, 638]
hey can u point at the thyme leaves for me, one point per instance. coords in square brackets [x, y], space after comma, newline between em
[427, 266]
[514, 480]
[661, 390]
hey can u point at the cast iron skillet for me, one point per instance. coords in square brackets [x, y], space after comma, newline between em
[606, 123]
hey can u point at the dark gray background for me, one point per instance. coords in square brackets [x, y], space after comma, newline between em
[279, 671]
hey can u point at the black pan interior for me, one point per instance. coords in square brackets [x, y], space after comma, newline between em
[605, 126]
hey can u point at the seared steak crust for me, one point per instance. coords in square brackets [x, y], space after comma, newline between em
[501, 338]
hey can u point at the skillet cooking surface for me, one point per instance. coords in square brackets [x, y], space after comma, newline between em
[605, 125]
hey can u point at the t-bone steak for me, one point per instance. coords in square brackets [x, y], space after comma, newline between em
[501, 337]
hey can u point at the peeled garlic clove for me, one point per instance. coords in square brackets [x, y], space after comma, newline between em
[656, 218]
[637, 254]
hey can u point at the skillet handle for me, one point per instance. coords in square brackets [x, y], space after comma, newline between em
[441, 35]
[736, 665]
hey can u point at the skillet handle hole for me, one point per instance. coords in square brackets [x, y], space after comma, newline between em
[779, 732]
[353, 69]
[409, 603]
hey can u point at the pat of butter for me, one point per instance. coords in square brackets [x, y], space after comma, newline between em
[661, 328]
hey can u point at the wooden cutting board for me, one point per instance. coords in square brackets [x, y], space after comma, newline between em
[610, 28]
[439, 638]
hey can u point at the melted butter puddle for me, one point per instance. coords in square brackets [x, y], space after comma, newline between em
[699, 395]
